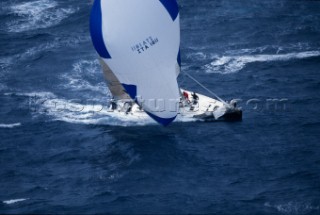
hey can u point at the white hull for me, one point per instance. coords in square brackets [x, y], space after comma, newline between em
[204, 109]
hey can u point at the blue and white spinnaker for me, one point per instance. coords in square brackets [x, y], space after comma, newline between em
[139, 40]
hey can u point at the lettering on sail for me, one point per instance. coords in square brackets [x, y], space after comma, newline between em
[144, 45]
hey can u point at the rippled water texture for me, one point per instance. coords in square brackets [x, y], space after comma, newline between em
[62, 152]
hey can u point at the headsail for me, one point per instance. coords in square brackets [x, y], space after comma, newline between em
[139, 41]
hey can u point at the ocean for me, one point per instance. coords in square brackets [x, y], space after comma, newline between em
[59, 153]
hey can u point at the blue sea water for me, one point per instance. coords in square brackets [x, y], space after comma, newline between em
[60, 154]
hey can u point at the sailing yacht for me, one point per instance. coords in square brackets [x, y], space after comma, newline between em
[138, 42]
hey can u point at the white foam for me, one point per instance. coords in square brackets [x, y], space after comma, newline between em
[37, 14]
[293, 207]
[34, 94]
[38, 49]
[197, 56]
[82, 72]
[12, 201]
[87, 112]
[93, 112]
[94, 115]
[232, 64]
[10, 125]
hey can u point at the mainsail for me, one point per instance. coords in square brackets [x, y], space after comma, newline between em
[114, 85]
[138, 42]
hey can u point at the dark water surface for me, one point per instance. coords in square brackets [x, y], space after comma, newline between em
[57, 159]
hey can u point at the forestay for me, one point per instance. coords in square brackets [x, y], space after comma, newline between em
[139, 41]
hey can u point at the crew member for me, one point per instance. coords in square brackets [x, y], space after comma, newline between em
[186, 95]
[195, 98]
[113, 104]
[128, 106]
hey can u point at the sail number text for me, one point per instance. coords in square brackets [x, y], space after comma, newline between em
[144, 45]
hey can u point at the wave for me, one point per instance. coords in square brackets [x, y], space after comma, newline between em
[293, 207]
[198, 56]
[37, 14]
[92, 113]
[4, 70]
[2, 87]
[86, 75]
[10, 125]
[5, 62]
[36, 51]
[35, 94]
[4, 67]
[58, 42]
[233, 64]
[12, 201]
[89, 112]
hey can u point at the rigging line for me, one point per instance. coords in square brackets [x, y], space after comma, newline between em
[204, 87]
